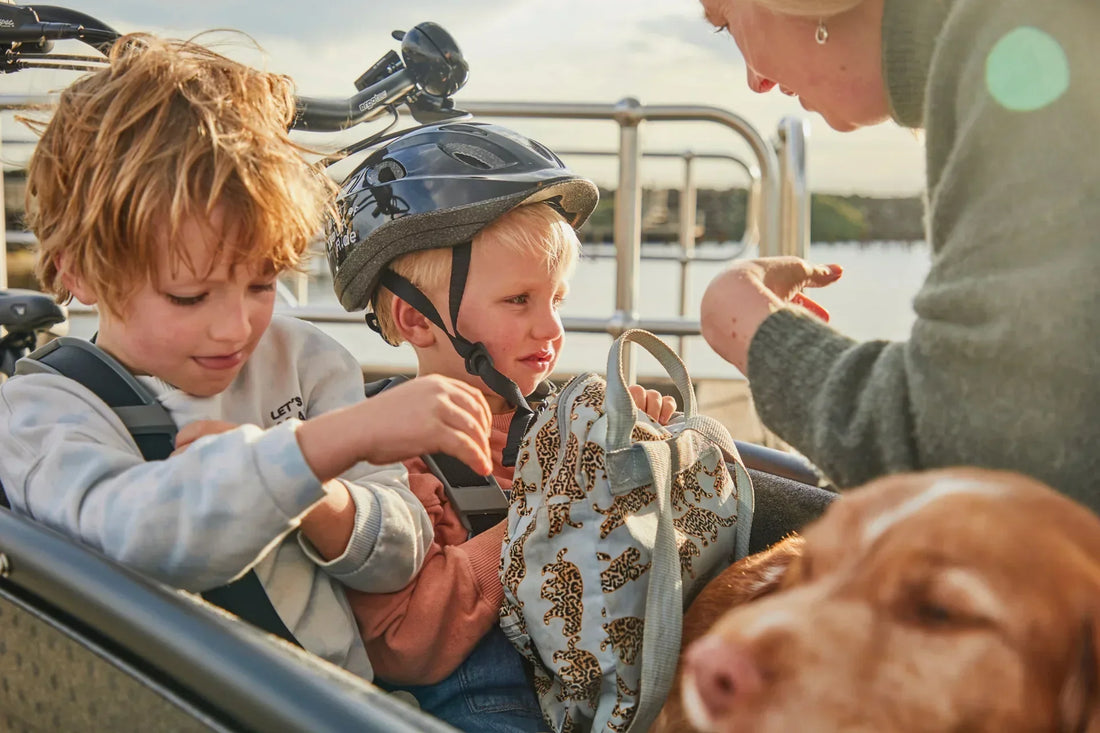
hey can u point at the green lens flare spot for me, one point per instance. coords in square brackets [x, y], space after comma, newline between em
[1027, 70]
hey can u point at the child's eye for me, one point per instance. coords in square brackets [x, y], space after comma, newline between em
[185, 300]
[263, 287]
[518, 299]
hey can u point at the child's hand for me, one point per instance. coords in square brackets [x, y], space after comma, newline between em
[200, 428]
[432, 414]
[738, 300]
[658, 406]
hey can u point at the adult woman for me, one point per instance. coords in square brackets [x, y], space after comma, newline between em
[999, 370]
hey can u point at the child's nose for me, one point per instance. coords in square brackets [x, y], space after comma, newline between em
[231, 324]
[548, 325]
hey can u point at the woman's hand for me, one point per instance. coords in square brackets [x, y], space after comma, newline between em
[738, 300]
[658, 406]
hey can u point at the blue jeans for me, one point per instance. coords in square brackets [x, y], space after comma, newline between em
[490, 691]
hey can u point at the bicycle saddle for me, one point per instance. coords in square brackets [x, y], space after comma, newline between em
[25, 311]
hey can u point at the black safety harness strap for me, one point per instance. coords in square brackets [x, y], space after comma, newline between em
[479, 500]
[477, 358]
[155, 434]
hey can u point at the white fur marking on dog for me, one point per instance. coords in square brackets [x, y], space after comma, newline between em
[976, 593]
[768, 578]
[938, 490]
[766, 621]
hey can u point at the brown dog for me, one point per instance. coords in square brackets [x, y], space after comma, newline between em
[956, 600]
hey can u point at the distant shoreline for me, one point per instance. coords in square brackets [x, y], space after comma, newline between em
[721, 217]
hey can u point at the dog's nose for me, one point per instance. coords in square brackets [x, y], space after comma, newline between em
[723, 672]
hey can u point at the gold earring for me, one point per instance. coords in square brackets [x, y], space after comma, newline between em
[822, 34]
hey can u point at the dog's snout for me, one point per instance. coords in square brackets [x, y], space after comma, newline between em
[723, 673]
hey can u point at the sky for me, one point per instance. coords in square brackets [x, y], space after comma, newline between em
[595, 51]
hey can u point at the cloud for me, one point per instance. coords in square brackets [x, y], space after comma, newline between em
[313, 22]
[594, 51]
[695, 32]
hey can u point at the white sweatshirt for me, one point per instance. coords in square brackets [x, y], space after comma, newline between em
[227, 503]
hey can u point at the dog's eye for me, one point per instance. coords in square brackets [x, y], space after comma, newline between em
[952, 599]
[933, 614]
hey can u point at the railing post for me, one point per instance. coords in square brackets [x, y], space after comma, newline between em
[688, 207]
[794, 196]
[628, 221]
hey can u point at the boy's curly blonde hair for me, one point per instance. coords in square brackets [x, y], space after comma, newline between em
[166, 133]
[535, 228]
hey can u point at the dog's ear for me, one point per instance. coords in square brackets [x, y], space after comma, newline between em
[1079, 701]
[766, 572]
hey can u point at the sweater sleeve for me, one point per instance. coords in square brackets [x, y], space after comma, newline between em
[998, 370]
[67, 461]
[391, 532]
[421, 633]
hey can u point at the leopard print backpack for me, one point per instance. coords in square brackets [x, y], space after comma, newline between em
[615, 523]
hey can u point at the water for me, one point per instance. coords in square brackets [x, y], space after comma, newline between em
[871, 301]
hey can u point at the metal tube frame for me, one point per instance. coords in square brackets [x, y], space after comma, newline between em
[629, 113]
[687, 237]
[782, 226]
[753, 213]
[794, 194]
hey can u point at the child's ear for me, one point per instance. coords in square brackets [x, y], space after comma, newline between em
[74, 283]
[413, 326]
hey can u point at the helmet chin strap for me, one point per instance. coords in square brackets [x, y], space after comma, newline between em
[478, 361]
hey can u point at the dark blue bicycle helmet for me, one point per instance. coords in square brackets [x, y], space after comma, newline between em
[438, 186]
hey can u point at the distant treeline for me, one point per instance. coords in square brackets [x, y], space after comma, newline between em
[721, 216]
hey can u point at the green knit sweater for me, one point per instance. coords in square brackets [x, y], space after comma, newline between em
[1002, 368]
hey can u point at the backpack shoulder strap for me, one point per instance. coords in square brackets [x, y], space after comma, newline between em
[82, 361]
[154, 431]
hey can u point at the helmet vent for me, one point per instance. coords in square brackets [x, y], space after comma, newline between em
[546, 152]
[475, 157]
[386, 172]
[458, 127]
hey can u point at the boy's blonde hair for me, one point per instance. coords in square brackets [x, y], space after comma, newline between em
[169, 131]
[534, 228]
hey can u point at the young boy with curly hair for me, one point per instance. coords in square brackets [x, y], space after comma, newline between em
[166, 191]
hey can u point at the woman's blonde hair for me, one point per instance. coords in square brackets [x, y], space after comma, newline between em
[810, 8]
[532, 228]
[169, 131]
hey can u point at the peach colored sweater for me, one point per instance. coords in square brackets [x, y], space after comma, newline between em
[421, 633]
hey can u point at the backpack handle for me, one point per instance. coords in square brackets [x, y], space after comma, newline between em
[618, 405]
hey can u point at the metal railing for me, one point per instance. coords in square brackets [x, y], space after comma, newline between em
[776, 221]
[688, 213]
[794, 194]
[781, 205]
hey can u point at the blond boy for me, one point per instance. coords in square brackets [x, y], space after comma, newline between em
[165, 191]
[456, 302]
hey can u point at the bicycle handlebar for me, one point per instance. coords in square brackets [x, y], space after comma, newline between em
[32, 29]
[429, 70]
[328, 115]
